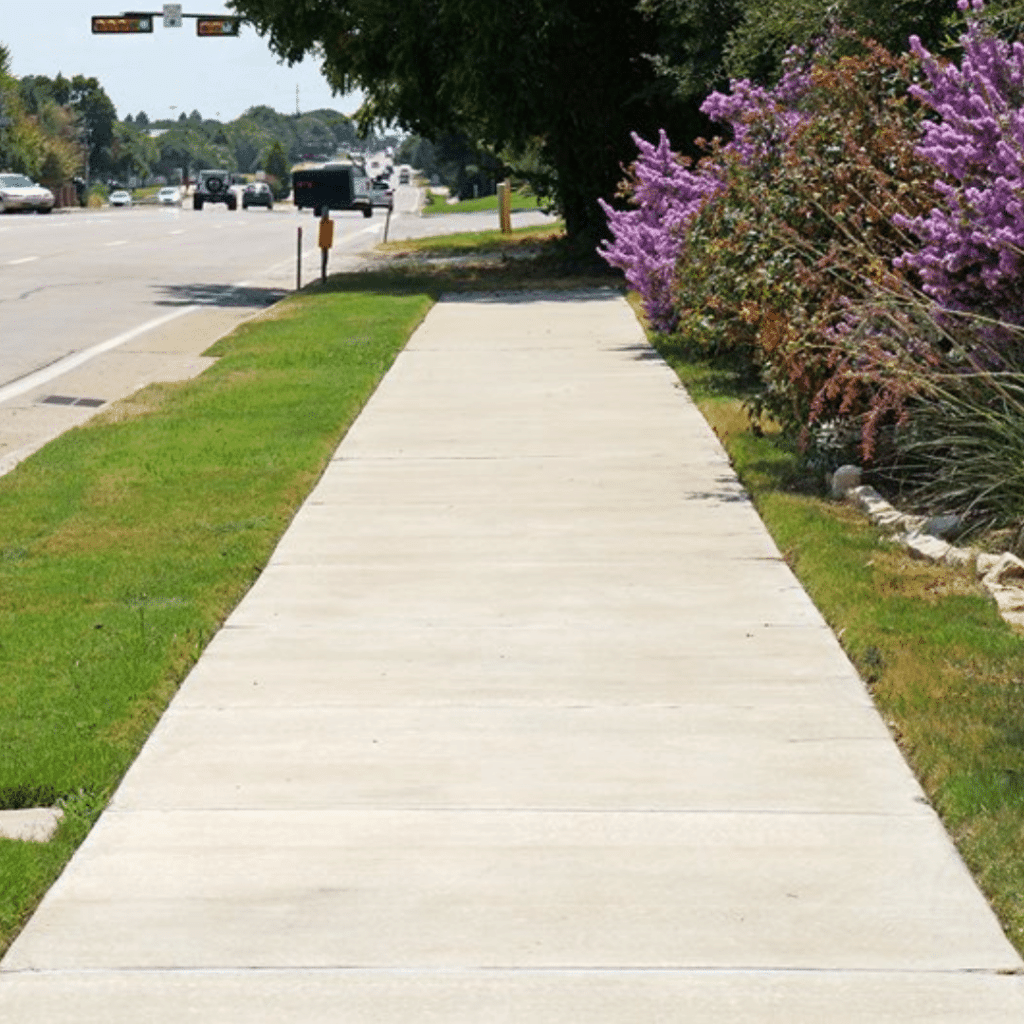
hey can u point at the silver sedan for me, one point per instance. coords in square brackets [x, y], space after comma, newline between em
[20, 193]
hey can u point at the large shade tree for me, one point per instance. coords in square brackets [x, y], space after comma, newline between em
[572, 77]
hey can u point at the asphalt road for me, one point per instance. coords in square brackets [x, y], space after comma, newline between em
[96, 304]
[71, 282]
[75, 282]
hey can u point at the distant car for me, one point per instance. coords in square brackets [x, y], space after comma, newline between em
[257, 194]
[20, 193]
[169, 196]
[403, 177]
[381, 194]
[120, 198]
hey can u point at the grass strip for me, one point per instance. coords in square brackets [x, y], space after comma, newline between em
[126, 542]
[439, 205]
[946, 672]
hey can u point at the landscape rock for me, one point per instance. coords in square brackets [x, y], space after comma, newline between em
[986, 563]
[1002, 576]
[1008, 571]
[946, 526]
[844, 479]
[926, 547]
[31, 825]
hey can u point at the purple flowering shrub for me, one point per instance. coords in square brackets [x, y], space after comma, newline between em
[667, 190]
[971, 243]
[789, 267]
[799, 248]
[647, 241]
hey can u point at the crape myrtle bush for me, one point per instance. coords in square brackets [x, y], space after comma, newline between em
[971, 243]
[802, 244]
[775, 262]
[648, 240]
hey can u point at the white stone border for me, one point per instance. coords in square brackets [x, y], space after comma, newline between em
[1001, 575]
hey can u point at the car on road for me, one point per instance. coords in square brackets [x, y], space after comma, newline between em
[214, 186]
[257, 194]
[20, 193]
[381, 193]
[169, 196]
[120, 198]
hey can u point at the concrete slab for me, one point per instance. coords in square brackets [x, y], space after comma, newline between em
[439, 889]
[728, 662]
[698, 757]
[31, 825]
[513, 596]
[514, 997]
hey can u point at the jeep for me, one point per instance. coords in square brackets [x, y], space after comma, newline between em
[214, 187]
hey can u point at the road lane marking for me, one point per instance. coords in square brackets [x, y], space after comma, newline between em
[120, 241]
[76, 359]
[24, 259]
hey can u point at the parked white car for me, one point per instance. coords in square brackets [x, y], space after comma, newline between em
[169, 196]
[120, 198]
[20, 193]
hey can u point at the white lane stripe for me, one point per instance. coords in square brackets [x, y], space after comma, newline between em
[120, 241]
[76, 359]
[24, 259]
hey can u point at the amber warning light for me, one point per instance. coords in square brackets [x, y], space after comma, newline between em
[217, 26]
[102, 24]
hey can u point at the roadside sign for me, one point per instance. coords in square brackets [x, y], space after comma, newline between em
[102, 24]
[217, 26]
[172, 15]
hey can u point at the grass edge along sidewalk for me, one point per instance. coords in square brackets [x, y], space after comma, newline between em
[125, 543]
[944, 669]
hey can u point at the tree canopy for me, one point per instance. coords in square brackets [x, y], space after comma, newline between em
[567, 81]
[569, 77]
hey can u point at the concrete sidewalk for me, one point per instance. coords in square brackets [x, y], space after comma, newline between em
[526, 722]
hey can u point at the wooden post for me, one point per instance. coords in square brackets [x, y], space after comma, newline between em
[505, 206]
[298, 265]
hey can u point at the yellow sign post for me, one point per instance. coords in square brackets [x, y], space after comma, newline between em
[505, 206]
[326, 241]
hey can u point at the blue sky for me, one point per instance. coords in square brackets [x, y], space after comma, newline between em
[167, 72]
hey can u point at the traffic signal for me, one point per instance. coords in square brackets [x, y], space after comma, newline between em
[103, 24]
[217, 26]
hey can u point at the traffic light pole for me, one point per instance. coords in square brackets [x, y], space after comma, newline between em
[134, 22]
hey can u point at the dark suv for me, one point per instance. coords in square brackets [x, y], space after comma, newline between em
[257, 194]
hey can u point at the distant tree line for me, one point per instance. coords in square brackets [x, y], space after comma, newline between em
[59, 129]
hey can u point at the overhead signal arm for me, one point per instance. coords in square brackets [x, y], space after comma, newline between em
[132, 22]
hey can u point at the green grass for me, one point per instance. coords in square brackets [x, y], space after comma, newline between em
[126, 542]
[946, 672]
[437, 204]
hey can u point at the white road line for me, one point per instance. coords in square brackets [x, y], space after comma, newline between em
[120, 241]
[24, 259]
[180, 231]
[54, 370]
